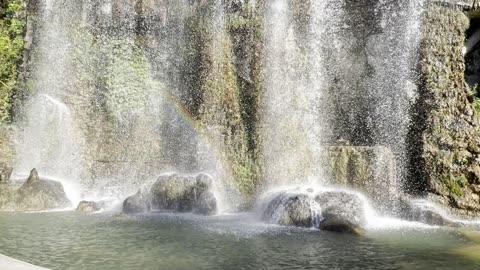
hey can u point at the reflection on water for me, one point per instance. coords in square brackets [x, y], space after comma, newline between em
[67, 240]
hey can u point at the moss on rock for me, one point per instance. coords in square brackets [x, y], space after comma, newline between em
[445, 124]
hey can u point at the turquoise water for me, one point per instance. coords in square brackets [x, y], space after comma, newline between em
[68, 240]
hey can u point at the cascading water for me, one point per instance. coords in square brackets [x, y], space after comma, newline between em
[351, 77]
[50, 140]
[110, 105]
[293, 126]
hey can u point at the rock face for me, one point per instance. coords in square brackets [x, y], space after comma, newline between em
[89, 206]
[445, 138]
[184, 194]
[371, 170]
[138, 203]
[175, 192]
[336, 211]
[35, 194]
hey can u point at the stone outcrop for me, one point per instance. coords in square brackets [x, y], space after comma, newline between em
[177, 193]
[336, 211]
[444, 142]
[36, 194]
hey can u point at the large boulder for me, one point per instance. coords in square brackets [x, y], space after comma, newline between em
[337, 211]
[38, 194]
[289, 209]
[138, 203]
[341, 211]
[184, 194]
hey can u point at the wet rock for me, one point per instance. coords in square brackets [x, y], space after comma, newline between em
[334, 222]
[423, 212]
[38, 194]
[5, 173]
[184, 194]
[336, 211]
[206, 204]
[341, 212]
[289, 209]
[138, 203]
[89, 206]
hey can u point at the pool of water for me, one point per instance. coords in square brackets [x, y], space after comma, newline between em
[68, 240]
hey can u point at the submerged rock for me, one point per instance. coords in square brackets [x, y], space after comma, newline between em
[175, 192]
[338, 223]
[138, 203]
[38, 194]
[89, 206]
[423, 212]
[336, 211]
[341, 212]
[184, 194]
[289, 209]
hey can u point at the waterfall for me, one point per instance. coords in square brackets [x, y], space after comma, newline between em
[296, 125]
[49, 140]
[290, 113]
[347, 72]
[106, 108]
[129, 90]
[391, 90]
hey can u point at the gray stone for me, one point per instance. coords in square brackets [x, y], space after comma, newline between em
[184, 194]
[341, 212]
[38, 194]
[89, 206]
[424, 212]
[289, 209]
[336, 223]
[138, 203]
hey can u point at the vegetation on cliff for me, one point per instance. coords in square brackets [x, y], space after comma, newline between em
[446, 148]
[11, 45]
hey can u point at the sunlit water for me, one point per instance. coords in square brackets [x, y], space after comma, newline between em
[67, 240]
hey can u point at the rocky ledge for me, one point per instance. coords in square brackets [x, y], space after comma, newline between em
[177, 193]
[36, 194]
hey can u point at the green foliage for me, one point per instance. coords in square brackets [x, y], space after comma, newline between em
[11, 46]
[476, 98]
[455, 185]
